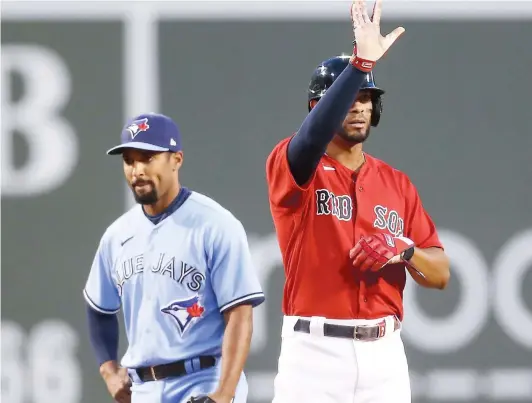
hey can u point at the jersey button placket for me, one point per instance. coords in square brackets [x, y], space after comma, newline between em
[148, 255]
[360, 188]
[152, 241]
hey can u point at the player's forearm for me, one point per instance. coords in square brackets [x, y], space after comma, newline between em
[235, 349]
[433, 265]
[322, 123]
[103, 335]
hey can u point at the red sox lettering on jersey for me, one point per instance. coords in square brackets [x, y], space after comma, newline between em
[318, 223]
[327, 203]
[390, 221]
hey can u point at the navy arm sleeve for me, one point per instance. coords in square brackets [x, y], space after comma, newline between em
[322, 123]
[103, 333]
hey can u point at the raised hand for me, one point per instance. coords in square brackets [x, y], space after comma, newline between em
[370, 44]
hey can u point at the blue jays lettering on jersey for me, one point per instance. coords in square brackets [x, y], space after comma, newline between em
[173, 278]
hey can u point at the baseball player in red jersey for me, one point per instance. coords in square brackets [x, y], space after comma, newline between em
[349, 227]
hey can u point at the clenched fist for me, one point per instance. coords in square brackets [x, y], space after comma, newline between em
[375, 251]
[119, 385]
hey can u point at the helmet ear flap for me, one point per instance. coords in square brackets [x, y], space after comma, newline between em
[377, 111]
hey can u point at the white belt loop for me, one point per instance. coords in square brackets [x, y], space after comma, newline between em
[390, 325]
[316, 325]
[287, 328]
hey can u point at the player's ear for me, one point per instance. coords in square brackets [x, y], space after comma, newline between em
[177, 159]
[313, 103]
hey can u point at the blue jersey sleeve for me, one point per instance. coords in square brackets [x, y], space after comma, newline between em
[100, 291]
[232, 274]
[103, 335]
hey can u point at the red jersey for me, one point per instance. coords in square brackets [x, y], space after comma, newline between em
[319, 223]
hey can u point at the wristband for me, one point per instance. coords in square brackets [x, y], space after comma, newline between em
[362, 64]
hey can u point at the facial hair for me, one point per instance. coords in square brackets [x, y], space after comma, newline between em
[147, 198]
[356, 138]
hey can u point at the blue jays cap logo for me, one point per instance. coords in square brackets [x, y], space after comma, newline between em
[184, 312]
[137, 126]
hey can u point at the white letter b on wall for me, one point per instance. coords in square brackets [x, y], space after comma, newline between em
[51, 140]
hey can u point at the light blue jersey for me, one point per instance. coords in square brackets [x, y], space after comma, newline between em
[173, 280]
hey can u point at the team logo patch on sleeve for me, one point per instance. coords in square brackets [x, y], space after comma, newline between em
[184, 312]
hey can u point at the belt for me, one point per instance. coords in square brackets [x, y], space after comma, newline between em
[359, 332]
[173, 369]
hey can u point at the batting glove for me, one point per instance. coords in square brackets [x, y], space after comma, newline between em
[376, 251]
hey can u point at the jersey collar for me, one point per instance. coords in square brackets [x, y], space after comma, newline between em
[182, 196]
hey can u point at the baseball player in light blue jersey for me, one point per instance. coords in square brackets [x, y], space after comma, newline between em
[178, 266]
